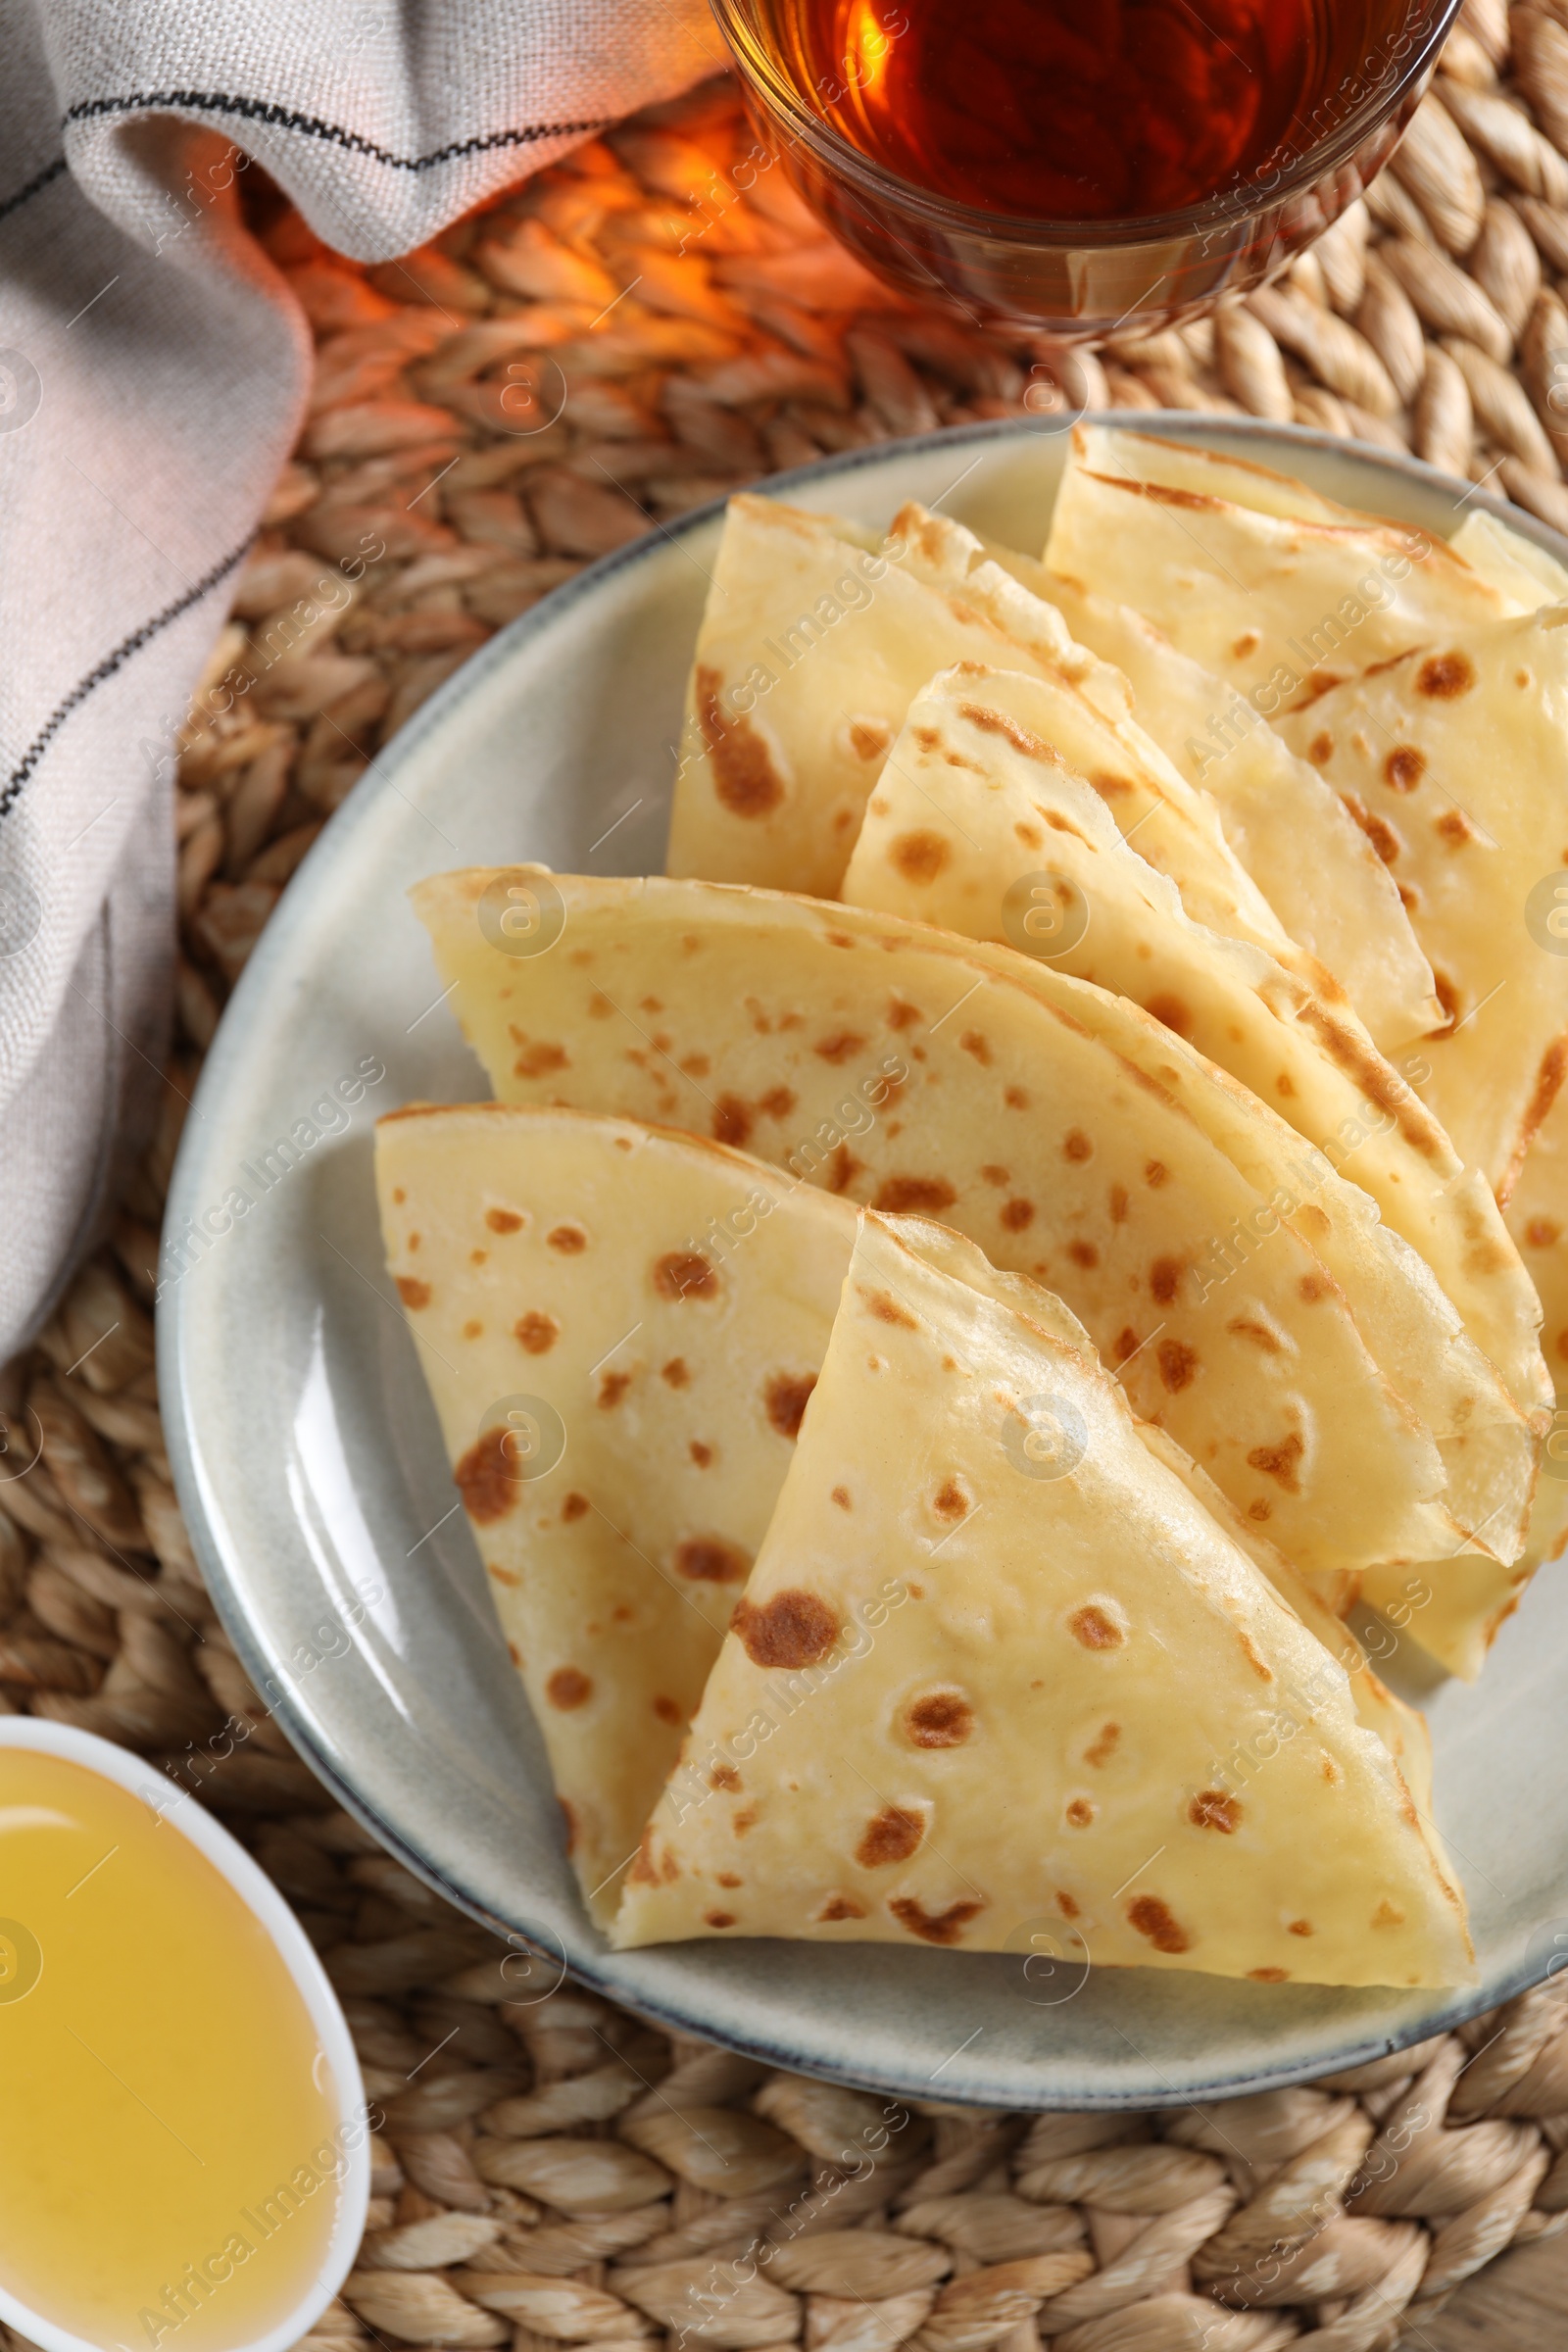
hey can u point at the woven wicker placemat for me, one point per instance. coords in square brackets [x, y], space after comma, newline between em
[555, 2172]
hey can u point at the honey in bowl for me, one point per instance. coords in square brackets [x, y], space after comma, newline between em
[171, 2155]
[1083, 109]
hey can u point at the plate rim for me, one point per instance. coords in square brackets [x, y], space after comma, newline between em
[223, 1062]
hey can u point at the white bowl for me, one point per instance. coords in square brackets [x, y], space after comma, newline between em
[311, 1468]
[256, 1890]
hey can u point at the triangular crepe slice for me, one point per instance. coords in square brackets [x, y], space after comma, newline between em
[668, 1302]
[1295, 838]
[1456, 759]
[1515, 565]
[964, 818]
[811, 649]
[962, 1700]
[916, 1071]
[1271, 604]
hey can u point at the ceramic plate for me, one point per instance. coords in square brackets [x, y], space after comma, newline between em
[311, 1469]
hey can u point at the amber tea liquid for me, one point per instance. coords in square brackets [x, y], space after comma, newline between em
[1086, 110]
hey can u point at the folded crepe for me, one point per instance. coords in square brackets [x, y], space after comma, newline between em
[1274, 589]
[997, 1671]
[658, 1306]
[1067, 1131]
[815, 639]
[1455, 759]
[1295, 838]
[975, 809]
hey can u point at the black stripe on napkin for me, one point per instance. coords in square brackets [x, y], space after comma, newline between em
[313, 127]
[11, 792]
[35, 185]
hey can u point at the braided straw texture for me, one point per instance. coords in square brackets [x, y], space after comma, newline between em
[555, 2173]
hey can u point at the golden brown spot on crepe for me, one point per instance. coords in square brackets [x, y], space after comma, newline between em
[414, 1241]
[411, 1293]
[871, 737]
[839, 939]
[1260, 1509]
[599, 1007]
[611, 1389]
[1404, 767]
[398, 1194]
[1151, 1918]
[536, 1332]
[719, 1919]
[837, 1906]
[1177, 1364]
[695, 1065]
[794, 1629]
[1542, 1232]
[901, 1016]
[472, 1331]
[1083, 1253]
[731, 1121]
[886, 1309]
[1118, 1205]
[1299, 1927]
[975, 1042]
[568, 1688]
[890, 1836]
[839, 1047]
[996, 722]
[1444, 676]
[503, 1220]
[1212, 1809]
[1080, 1812]
[745, 780]
[1321, 748]
[570, 1240]
[919, 855]
[503, 1576]
[641, 1871]
[1247, 641]
[1075, 1144]
[1255, 1657]
[727, 1878]
[933, 1926]
[1112, 788]
[1016, 1099]
[1030, 835]
[479, 1257]
[724, 1776]
[843, 1169]
[786, 1398]
[539, 1059]
[744, 1821]
[1387, 1915]
[573, 1506]
[777, 1102]
[1164, 1278]
[675, 1372]
[1127, 1343]
[711, 1560]
[1453, 828]
[1156, 1174]
[1280, 1461]
[942, 1719]
[683, 1274]
[841, 1496]
[1313, 1288]
[995, 1175]
[486, 1480]
[950, 1501]
[1104, 1747]
[1269, 1975]
[1383, 837]
[1016, 1215]
[1548, 1082]
[701, 1454]
[1095, 1627]
[1241, 1327]
[914, 1196]
[667, 1711]
[668, 1867]
[1172, 1012]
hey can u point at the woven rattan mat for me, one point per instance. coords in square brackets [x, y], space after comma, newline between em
[558, 2173]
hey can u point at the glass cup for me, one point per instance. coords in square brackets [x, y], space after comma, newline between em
[1080, 280]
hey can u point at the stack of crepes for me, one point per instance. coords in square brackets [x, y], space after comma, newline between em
[971, 1277]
